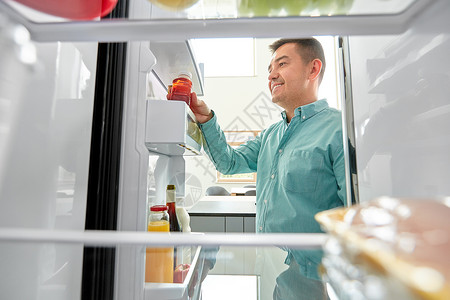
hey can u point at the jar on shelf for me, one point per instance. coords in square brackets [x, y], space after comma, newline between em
[181, 88]
[159, 261]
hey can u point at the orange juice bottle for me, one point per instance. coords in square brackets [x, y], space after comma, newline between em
[159, 261]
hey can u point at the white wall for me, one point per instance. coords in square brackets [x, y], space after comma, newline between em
[244, 103]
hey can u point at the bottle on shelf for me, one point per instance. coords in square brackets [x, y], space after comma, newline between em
[182, 215]
[171, 206]
[174, 224]
[181, 88]
[184, 219]
[159, 261]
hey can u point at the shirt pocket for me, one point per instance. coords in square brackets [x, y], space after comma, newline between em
[300, 171]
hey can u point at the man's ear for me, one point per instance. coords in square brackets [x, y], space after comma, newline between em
[316, 67]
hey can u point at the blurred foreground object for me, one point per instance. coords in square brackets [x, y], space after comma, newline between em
[394, 248]
[262, 8]
[72, 9]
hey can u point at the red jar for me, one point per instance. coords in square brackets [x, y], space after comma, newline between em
[181, 88]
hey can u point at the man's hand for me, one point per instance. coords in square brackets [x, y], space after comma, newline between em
[200, 109]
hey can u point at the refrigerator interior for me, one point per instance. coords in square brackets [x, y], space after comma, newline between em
[401, 105]
[399, 115]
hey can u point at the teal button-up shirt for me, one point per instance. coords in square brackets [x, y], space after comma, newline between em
[300, 171]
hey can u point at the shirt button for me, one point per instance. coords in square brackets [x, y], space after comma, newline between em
[303, 117]
[273, 176]
[281, 150]
[265, 201]
[260, 228]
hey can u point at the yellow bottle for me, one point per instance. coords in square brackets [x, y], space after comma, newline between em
[159, 261]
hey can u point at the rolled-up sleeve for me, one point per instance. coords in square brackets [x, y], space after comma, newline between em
[226, 159]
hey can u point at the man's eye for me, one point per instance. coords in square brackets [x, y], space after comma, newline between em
[282, 64]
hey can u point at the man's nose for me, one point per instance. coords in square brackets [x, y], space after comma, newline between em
[272, 75]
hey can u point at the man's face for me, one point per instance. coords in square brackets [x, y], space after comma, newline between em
[288, 76]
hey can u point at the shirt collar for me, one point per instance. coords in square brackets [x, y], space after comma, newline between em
[307, 111]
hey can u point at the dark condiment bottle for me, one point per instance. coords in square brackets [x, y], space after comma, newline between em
[170, 202]
[181, 88]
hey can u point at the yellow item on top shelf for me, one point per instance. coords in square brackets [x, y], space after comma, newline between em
[174, 4]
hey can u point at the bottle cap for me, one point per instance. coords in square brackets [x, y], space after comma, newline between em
[185, 74]
[158, 208]
[170, 187]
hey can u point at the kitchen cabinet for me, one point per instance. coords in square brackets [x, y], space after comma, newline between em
[207, 224]
[227, 214]
[222, 224]
[224, 214]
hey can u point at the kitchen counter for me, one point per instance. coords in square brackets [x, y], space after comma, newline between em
[224, 214]
[224, 206]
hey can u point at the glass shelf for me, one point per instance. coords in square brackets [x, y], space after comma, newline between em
[232, 9]
[49, 262]
[218, 263]
[231, 18]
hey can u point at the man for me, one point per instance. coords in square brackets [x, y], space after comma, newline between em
[299, 160]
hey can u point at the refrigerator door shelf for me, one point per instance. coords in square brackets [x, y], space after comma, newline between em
[172, 57]
[171, 129]
[157, 291]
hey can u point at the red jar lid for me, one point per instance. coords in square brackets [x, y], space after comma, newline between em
[158, 208]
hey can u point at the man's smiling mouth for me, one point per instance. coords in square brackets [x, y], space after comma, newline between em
[275, 86]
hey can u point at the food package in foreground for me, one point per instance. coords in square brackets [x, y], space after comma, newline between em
[402, 242]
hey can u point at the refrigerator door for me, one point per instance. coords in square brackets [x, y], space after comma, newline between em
[46, 104]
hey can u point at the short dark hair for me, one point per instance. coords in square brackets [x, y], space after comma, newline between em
[309, 49]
